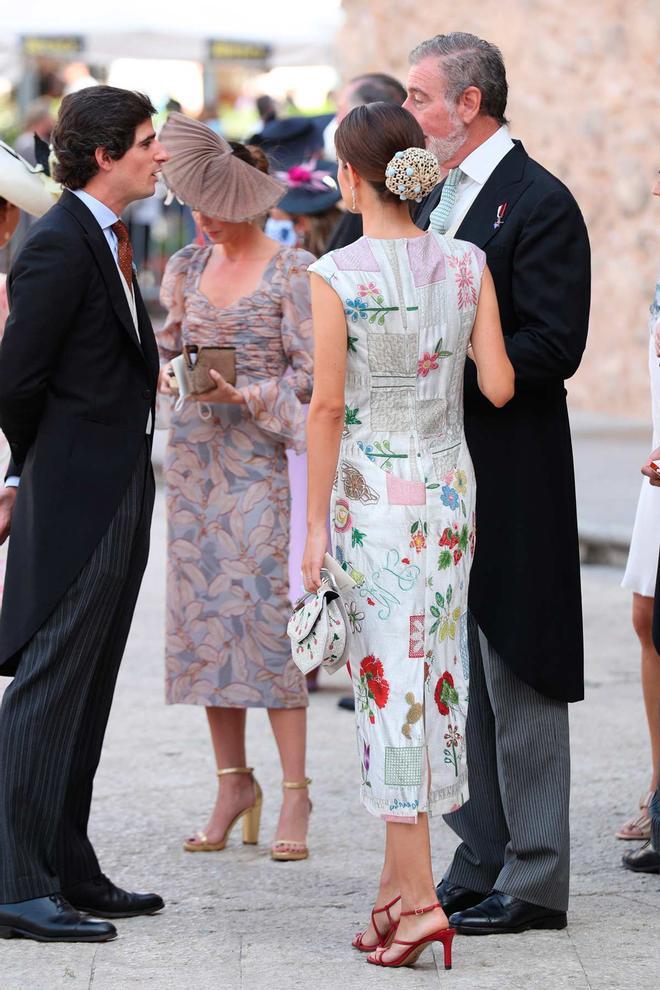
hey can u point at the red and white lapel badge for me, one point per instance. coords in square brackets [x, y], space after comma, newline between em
[499, 219]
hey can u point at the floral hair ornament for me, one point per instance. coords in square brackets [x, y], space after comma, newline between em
[307, 176]
[412, 174]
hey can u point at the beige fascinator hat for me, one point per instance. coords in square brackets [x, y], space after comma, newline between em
[204, 172]
[26, 186]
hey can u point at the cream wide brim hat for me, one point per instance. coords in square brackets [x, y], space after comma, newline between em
[26, 186]
[205, 174]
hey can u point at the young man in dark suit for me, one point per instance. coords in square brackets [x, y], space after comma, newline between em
[78, 374]
[511, 871]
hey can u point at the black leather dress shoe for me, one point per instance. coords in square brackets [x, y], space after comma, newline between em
[643, 860]
[100, 897]
[454, 898]
[52, 919]
[500, 914]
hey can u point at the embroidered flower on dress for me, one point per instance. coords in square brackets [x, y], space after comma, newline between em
[370, 289]
[373, 686]
[450, 497]
[357, 309]
[355, 617]
[460, 482]
[418, 541]
[445, 693]
[428, 362]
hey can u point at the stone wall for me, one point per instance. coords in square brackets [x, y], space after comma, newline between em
[583, 82]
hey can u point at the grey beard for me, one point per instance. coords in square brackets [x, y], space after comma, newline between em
[445, 148]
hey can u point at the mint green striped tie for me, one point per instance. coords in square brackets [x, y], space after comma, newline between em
[439, 219]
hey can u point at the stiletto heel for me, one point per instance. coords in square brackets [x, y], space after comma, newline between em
[251, 820]
[291, 850]
[384, 938]
[446, 945]
[413, 950]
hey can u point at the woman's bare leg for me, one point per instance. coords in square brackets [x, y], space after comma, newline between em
[289, 727]
[411, 849]
[642, 624]
[235, 792]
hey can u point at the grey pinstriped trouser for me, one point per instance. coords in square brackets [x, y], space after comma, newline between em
[515, 827]
[54, 713]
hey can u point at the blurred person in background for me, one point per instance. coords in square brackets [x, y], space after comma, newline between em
[640, 578]
[226, 476]
[372, 87]
[646, 859]
[307, 214]
[38, 120]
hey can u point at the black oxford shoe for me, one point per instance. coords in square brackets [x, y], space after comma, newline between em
[643, 860]
[100, 897]
[52, 919]
[500, 914]
[454, 898]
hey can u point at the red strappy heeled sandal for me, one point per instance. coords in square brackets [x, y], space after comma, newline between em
[413, 950]
[384, 938]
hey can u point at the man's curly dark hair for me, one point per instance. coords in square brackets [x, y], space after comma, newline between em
[96, 117]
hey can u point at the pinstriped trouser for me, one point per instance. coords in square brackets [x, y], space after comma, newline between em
[515, 827]
[54, 713]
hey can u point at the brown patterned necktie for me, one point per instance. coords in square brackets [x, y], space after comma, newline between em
[124, 251]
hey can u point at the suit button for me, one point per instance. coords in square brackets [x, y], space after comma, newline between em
[146, 394]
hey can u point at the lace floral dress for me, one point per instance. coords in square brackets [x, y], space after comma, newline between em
[403, 512]
[228, 490]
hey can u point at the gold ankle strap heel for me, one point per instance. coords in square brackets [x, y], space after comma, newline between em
[251, 820]
[291, 850]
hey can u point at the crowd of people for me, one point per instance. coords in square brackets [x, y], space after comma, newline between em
[401, 317]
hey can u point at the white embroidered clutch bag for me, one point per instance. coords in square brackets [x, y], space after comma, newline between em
[318, 628]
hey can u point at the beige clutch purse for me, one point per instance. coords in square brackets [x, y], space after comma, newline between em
[198, 362]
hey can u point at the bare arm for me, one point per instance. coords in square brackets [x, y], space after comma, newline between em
[324, 423]
[494, 369]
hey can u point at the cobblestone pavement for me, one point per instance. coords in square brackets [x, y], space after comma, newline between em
[237, 921]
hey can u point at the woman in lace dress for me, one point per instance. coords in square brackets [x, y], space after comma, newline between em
[394, 315]
[226, 476]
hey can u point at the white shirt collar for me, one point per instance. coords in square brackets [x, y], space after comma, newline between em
[483, 161]
[101, 213]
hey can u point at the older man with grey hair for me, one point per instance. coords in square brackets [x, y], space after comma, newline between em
[524, 626]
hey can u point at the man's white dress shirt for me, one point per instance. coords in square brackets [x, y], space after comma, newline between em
[476, 169]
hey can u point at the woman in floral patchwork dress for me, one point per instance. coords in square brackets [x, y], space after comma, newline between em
[394, 315]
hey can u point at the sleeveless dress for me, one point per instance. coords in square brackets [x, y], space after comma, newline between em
[402, 512]
[228, 504]
[642, 566]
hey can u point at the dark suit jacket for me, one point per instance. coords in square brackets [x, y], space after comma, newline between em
[76, 388]
[525, 581]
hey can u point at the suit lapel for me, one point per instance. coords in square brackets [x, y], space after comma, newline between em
[105, 260]
[505, 185]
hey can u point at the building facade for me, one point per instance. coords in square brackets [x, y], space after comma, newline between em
[583, 98]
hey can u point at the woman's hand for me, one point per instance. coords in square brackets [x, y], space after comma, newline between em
[165, 379]
[650, 472]
[223, 392]
[316, 546]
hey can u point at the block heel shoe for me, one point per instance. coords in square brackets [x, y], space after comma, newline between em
[251, 820]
